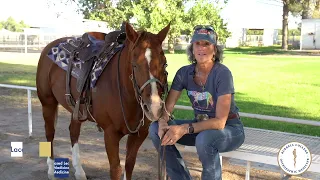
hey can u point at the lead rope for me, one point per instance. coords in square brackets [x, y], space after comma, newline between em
[161, 161]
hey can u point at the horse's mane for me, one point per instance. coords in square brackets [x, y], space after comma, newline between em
[143, 35]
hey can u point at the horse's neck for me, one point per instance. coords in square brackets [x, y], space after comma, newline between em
[125, 72]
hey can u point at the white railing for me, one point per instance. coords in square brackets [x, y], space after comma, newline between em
[248, 115]
[24, 42]
[29, 89]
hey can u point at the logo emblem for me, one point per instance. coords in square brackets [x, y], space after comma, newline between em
[61, 167]
[294, 158]
[16, 149]
[204, 31]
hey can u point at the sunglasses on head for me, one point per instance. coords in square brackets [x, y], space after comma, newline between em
[207, 27]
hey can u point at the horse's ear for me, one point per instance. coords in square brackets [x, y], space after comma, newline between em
[163, 33]
[131, 33]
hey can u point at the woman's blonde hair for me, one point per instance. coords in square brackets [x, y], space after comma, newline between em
[218, 57]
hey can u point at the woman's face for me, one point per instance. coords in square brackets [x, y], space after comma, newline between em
[203, 51]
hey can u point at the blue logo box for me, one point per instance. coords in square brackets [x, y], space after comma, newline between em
[61, 167]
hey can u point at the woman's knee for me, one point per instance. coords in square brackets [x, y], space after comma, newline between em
[212, 141]
[204, 144]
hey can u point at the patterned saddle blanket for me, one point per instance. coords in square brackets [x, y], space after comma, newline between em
[97, 52]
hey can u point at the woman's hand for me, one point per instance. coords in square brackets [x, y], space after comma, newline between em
[174, 133]
[163, 127]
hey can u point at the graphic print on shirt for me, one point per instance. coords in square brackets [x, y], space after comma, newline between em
[201, 100]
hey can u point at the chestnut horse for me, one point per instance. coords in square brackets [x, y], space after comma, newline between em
[137, 69]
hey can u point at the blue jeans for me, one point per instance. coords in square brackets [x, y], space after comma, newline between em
[208, 144]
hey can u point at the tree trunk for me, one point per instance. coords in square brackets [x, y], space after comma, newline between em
[171, 44]
[285, 24]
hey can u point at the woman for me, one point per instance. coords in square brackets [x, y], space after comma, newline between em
[216, 127]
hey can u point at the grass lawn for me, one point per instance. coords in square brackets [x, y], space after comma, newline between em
[267, 81]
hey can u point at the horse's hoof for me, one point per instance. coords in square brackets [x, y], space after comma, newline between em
[51, 177]
[51, 174]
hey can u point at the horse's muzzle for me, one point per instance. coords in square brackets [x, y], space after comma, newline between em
[153, 111]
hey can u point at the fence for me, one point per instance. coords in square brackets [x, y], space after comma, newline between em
[34, 43]
[26, 42]
[248, 115]
[257, 40]
[29, 43]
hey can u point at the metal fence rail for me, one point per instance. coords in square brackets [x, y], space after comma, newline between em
[248, 115]
[27, 42]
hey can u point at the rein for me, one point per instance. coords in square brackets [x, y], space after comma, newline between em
[141, 123]
[138, 91]
[161, 161]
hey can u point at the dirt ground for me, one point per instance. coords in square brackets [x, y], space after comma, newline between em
[14, 127]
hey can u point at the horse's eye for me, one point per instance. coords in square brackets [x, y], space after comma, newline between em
[165, 65]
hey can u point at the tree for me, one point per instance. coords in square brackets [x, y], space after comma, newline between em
[11, 25]
[316, 12]
[295, 7]
[153, 15]
[305, 8]
[105, 10]
[311, 9]
[150, 15]
[285, 24]
[204, 12]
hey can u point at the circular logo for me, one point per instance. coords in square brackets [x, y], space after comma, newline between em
[294, 158]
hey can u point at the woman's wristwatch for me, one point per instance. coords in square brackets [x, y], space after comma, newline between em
[190, 129]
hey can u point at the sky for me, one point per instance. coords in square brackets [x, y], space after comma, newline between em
[238, 13]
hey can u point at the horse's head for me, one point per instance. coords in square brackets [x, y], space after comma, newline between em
[149, 74]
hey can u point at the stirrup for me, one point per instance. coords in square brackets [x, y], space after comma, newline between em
[76, 112]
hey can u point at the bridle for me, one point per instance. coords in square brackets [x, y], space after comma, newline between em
[138, 94]
[138, 91]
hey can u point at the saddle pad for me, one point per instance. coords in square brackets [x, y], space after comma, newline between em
[61, 58]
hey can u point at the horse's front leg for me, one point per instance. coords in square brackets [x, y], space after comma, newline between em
[111, 139]
[133, 144]
[74, 128]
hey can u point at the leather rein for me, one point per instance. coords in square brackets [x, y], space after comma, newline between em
[138, 93]
[162, 174]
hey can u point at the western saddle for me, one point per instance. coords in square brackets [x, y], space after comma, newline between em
[85, 53]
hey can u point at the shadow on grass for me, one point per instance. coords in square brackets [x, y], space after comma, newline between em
[255, 106]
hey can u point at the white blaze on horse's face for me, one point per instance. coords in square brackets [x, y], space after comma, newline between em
[155, 105]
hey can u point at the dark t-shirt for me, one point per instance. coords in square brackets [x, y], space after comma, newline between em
[219, 82]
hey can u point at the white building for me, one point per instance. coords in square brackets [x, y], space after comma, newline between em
[70, 27]
[310, 34]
